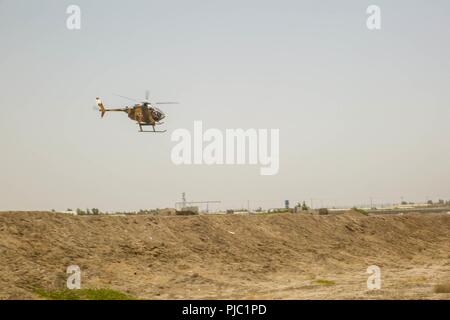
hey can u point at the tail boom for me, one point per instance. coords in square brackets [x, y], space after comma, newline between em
[103, 110]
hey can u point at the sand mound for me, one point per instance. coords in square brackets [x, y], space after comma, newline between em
[223, 256]
[354, 213]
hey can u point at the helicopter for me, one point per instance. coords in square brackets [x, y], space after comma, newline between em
[144, 113]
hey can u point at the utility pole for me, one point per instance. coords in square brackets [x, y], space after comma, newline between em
[185, 203]
[183, 199]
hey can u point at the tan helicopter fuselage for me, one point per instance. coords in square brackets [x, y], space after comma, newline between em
[141, 114]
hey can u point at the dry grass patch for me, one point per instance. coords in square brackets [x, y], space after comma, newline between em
[325, 282]
[442, 288]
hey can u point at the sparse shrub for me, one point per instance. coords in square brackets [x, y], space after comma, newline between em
[364, 212]
[325, 282]
[323, 211]
[304, 206]
[186, 213]
[95, 211]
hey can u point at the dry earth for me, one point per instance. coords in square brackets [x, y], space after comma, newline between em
[276, 256]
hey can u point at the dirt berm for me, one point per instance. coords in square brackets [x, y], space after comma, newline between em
[265, 256]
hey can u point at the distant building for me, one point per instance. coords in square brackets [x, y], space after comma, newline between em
[74, 213]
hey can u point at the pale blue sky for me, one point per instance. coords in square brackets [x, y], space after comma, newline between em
[361, 113]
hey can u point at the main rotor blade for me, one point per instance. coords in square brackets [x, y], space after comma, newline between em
[147, 94]
[126, 97]
[166, 102]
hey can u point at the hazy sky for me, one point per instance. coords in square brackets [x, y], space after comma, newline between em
[361, 113]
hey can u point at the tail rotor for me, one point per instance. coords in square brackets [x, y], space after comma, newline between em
[101, 107]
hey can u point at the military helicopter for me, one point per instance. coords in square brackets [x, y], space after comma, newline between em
[144, 113]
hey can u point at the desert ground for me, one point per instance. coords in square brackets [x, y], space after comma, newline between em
[263, 256]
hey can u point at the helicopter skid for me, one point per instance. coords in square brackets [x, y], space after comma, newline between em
[153, 131]
[150, 131]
